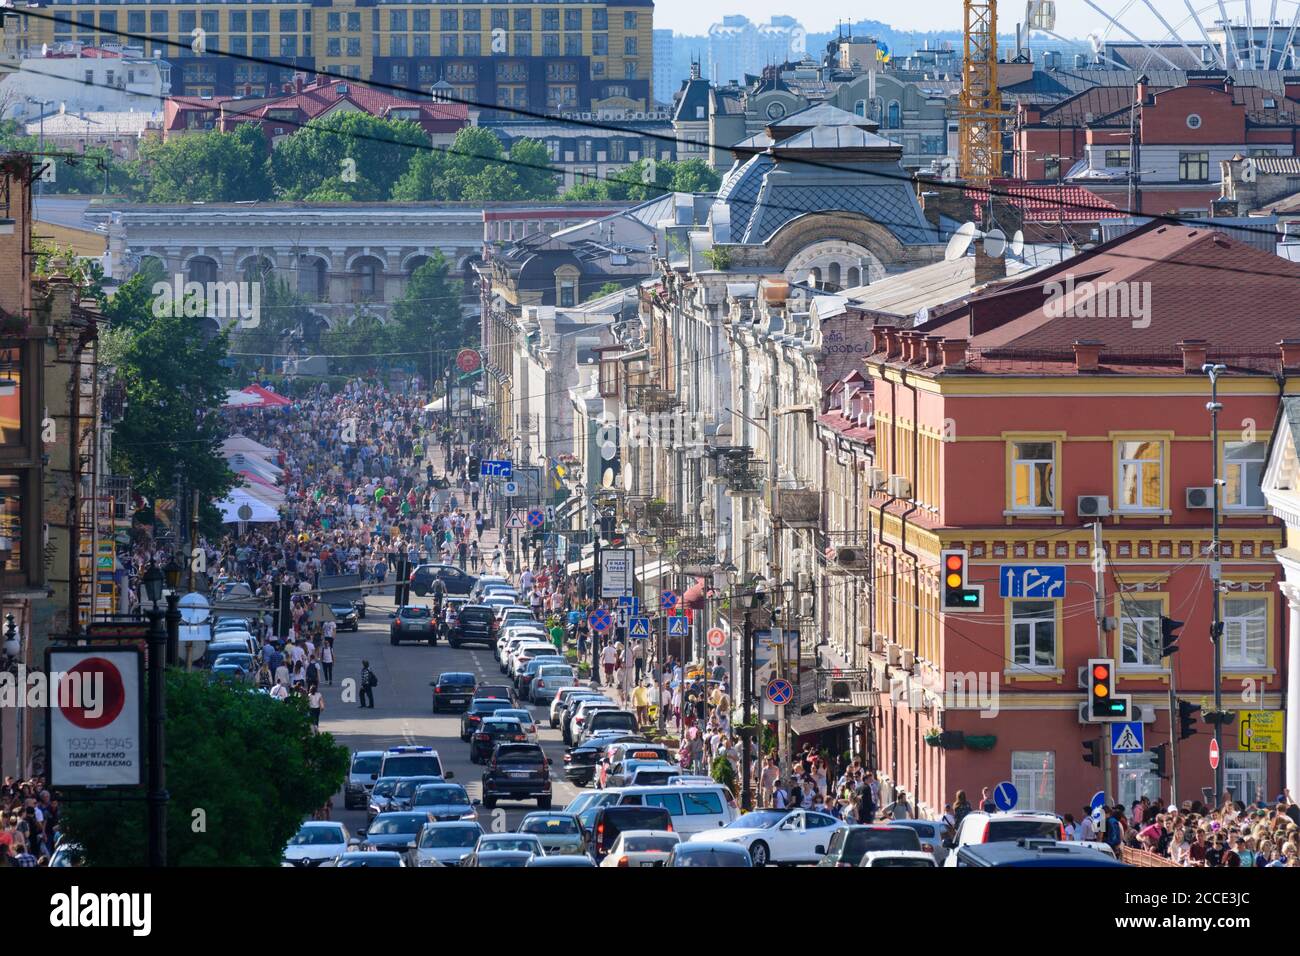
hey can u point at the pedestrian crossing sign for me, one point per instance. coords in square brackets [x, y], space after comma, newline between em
[678, 626]
[640, 627]
[1127, 738]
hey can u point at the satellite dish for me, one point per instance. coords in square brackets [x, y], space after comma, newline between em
[1018, 244]
[960, 241]
[995, 243]
[923, 315]
[1095, 39]
[607, 479]
[608, 450]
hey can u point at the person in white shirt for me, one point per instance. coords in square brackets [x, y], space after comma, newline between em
[608, 658]
[1087, 828]
[279, 691]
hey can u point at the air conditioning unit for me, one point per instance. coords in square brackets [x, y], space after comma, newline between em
[893, 653]
[907, 659]
[851, 557]
[1094, 506]
[1199, 498]
[876, 478]
[899, 486]
[807, 605]
[877, 643]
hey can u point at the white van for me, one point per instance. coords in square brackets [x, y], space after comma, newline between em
[694, 809]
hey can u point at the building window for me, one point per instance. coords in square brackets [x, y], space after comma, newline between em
[1137, 778]
[447, 19]
[894, 114]
[1245, 632]
[333, 22]
[12, 499]
[500, 19]
[135, 21]
[1033, 475]
[421, 21]
[550, 44]
[473, 20]
[1193, 121]
[397, 20]
[523, 19]
[573, 44]
[1193, 167]
[617, 150]
[1245, 775]
[573, 19]
[420, 45]
[288, 21]
[333, 47]
[354, 22]
[1141, 475]
[584, 151]
[1139, 632]
[1118, 158]
[473, 45]
[523, 45]
[261, 21]
[551, 19]
[1033, 774]
[629, 70]
[1033, 633]
[397, 73]
[629, 20]
[629, 46]
[288, 46]
[1243, 470]
[600, 44]
[600, 19]
[354, 46]
[449, 44]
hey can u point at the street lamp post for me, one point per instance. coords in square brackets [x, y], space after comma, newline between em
[1214, 406]
[172, 572]
[157, 649]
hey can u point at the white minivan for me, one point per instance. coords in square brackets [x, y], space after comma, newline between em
[693, 808]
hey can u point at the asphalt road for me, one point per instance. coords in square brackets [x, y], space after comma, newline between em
[403, 712]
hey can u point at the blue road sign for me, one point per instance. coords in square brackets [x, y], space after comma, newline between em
[1031, 580]
[599, 619]
[668, 600]
[632, 603]
[536, 517]
[678, 626]
[1006, 796]
[489, 468]
[1096, 803]
[780, 690]
[1126, 737]
[640, 627]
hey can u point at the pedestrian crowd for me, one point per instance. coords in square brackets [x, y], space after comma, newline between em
[29, 823]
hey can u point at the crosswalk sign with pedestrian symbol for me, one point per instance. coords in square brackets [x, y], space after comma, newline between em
[678, 626]
[640, 627]
[1127, 738]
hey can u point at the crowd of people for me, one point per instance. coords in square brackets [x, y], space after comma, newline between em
[29, 823]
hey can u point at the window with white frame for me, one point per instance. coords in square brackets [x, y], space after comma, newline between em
[1243, 472]
[1033, 475]
[1033, 774]
[1033, 633]
[1245, 775]
[1141, 475]
[1137, 778]
[1139, 632]
[1245, 631]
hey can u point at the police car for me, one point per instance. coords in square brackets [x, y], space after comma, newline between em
[412, 761]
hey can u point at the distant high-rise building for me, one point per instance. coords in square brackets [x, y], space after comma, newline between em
[664, 83]
[737, 46]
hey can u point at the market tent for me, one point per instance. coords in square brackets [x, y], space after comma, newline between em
[255, 396]
[258, 510]
[272, 496]
[256, 464]
[242, 443]
[438, 404]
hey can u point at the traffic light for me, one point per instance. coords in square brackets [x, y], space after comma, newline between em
[473, 466]
[1103, 703]
[1160, 759]
[1168, 637]
[1187, 712]
[957, 596]
[1092, 752]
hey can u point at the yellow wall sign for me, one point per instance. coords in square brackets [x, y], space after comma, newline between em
[1261, 731]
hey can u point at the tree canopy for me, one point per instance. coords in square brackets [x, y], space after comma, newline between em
[349, 156]
[210, 167]
[636, 184]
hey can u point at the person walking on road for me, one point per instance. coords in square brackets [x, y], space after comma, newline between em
[327, 660]
[368, 684]
[315, 704]
[608, 659]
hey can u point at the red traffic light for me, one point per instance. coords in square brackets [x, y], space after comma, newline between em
[954, 562]
[1100, 672]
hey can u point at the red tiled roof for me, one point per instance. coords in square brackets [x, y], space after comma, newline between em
[1049, 203]
[848, 427]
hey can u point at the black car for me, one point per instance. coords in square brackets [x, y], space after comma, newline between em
[453, 689]
[394, 831]
[580, 762]
[453, 579]
[478, 709]
[503, 691]
[412, 622]
[612, 820]
[492, 731]
[475, 624]
[519, 771]
[346, 617]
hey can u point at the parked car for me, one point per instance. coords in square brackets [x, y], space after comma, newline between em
[609, 821]
[849, 845]
[641, 848]
[979, 827]
[517, 771]
[412, 622]
[601, 720]
[559, 833]
[443, 802]
[453, 690]
[549, 680]
[932, 834]
[693, 809]
[528, 670]
[1030, 853]
[446, 843]
[475, 624]
[708, 854]
[779, 836]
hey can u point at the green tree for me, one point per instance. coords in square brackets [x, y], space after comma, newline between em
[634, 182]
[81, 174]
[428, 315]
[532, 167]
[175, 381]
[475, 168]
[723, 772]
[211, 167]
[252, 766]
[354, 155]
[283, 314]
[360, 339]
[607, 289]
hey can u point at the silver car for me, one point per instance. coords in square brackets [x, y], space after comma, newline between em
[446, 843]
[559, 833]
[931, 833]
[549, 680]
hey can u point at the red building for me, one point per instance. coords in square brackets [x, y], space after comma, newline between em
[1172, 140]
[1007, 428]
[285, 114]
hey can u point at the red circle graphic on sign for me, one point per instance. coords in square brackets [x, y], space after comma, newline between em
[101, 685]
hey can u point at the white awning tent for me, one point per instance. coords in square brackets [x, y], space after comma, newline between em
[258, 510]
[242, 444]
[439, 404]
[272, 496]
[256, 464]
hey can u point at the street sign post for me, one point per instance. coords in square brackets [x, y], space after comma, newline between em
[516, 521]
[489, 468]
[618, 573]
[716, 637]
[639, 627]
[780, 691]
[1096, 803]
[600, 620]
[667, 600]
[1031, 580]
[678, 626]
[631, 602]
[1262, 731]
[536, 517]
[1214, 755]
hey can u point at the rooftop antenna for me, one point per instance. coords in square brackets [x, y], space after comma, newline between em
[960, 241]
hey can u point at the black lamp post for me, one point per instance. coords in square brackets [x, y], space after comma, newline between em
[157, 795]
[173, 618]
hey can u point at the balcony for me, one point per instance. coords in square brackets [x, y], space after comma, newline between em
[843, 689]
[651, 398]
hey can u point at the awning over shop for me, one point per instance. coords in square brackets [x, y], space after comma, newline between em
[694, 596]
[255, 396]
[816, 723]
[258, 510]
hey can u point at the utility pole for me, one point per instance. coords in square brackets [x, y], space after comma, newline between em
[1214, 406]
[753, 736]
[1099, 603]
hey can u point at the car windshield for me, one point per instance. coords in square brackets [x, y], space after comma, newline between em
[413, 766]
[367, 764]
[317, 836]
[548, 669]
[510, 842]
[1008, 831]
[758, 820]
[399, 823]
[654, 778]
[406, 788]
[415, 612]
[489, 706]
[385, 787]
[859, 842]
[687, 856]
[648, 844]
[519, 755]
[370, 859]
[552, 825]
[523, 716]
[502, 727]
[458, 679]
[441, 796]
[440, 837]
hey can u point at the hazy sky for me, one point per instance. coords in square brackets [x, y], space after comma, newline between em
[1074, 18]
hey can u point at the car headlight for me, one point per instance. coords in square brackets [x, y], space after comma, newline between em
[469, 815]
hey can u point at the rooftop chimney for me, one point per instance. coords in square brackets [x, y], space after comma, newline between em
[1087, 354]
[878, 338]
[932, 350]
[988, 268]
[298, 79]
[1290, 354]
[891, 344]
[954, 352]
[1195, 352]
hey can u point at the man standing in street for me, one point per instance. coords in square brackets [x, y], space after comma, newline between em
[608, 658]
[368, 684]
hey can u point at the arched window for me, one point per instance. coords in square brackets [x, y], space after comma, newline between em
[312, 277]
[854, 277]
[817, 276]
[895, 115]
[201, 269]
[256, 269]
[833, 276]
[414, 263]
[367, 281]
[860, 107]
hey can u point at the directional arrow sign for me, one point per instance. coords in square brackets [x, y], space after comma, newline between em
[678, 626]
[516, 521]
[1005, 796]
[640, 627]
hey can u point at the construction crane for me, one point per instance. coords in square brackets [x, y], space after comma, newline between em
[980, 115]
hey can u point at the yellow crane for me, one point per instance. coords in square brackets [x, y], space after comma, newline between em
[980, 114]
